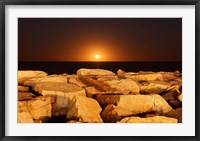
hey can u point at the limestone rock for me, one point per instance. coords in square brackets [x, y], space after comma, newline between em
[23, 89]
[156, 119]
[60, 93]
[39, 108]
[141, 76]
[120, 106]
[175, 113]
[25, 96]
[84, 109]
[94, 72]
[25, 75]
[112, 84]
[154, 87]
[23, 114]
[73, 79]
[62, 78]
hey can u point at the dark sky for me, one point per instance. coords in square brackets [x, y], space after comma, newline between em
[114, 39]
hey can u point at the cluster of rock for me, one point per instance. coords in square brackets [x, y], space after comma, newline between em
[100, 96]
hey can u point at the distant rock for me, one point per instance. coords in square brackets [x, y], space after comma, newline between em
[120, 106]
[62, 78]
[156, 119]
[141, 76]
[84, 109]
[60, 93]
[94, 72]
[154, 87]
[23, 114]
[25, 75]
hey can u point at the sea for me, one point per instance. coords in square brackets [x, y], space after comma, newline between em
[72, 67]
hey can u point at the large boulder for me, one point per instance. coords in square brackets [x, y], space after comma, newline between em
[119, 106]
[23, 114]
[25, 75]
[156, 119]
[39, 108]
[62, 78]
[141, 76]
[154, 87]
[84, 109]
[112, 84]
[60, 93]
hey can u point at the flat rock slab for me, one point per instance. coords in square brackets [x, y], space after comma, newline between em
[61, 94]
[156, 119]
[25, 75]
[141, 76]
[23, 114]
[175, 113]
[112, 84]
[84, 109]
[23, 89]
[154, 87]
[25, 96]
[94, 72]
[39, 108]
[73, 79]
[62, 78]
[119, 106]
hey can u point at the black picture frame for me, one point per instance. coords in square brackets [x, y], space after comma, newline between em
[3, 3]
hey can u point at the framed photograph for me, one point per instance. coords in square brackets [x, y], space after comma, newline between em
[99, 70]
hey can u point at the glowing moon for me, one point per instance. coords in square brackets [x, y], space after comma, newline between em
[97, 56]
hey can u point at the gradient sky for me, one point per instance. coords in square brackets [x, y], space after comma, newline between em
[114, 39]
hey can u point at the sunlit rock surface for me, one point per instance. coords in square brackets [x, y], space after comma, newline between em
[61, 94]
[127, 105]
[84, 109]
[156, 119]
[25, 75]
[97, 95]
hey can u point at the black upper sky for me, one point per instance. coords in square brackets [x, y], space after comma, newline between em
[114, 39]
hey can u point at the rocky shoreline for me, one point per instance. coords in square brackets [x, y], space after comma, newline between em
[100, 96]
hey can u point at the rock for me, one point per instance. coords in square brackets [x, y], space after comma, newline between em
[180, 97]
[112, 84]
[50, 78]
[154, 87]
[120, 106]
[39, 108]
[23, 114]
[175, 113]
[124, 86]
[60, 93]
[25, 75]
[156, 119]
[73, 79]
[23, 89]
[25, 96]
[170, 76]
[84, 109]
[141, 76]
[94, 72]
